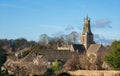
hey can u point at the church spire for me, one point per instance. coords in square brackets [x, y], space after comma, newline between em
[87, 17]
[87, 28]
[87, 36]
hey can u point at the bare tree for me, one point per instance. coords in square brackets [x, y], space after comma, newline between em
[44, 39]
[52, 43]
[77, 62]
[74, 36]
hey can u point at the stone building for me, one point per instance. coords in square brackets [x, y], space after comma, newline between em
[87, 35]
[87, 39]
[87, 44]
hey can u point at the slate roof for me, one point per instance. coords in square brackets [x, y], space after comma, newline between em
[79, 48]
[94, 48]
[56, 54]
[52, 55]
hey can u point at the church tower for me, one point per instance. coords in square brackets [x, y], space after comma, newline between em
[87, 36]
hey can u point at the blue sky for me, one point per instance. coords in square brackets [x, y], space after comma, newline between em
[30, 18]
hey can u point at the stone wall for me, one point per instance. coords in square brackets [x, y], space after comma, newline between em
[63, 48]
[94, 73]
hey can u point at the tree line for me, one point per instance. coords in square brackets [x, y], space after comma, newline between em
[44, 42]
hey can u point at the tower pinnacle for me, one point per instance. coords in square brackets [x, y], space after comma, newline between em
[87, 36]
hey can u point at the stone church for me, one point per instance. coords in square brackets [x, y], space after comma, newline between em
[87, 35]
[87, 44]
[87, 39]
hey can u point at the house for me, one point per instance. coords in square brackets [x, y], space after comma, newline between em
[79, 48]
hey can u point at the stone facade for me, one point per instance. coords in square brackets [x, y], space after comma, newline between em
[87, 36]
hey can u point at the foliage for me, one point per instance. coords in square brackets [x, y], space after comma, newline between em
[4, 42]
[52, 71]
[20, 43]
[44, 41]
[49, 72]
[4, 72]
[56, 65]
[113, 58]
[2, 57]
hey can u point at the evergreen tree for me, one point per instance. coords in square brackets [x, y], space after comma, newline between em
[2, 57]
[113, 58]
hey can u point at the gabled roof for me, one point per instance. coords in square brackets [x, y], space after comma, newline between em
[94, 48]
[79, 48]
[52, 55]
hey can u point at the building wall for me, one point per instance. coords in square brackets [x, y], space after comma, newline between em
[63, 48]
[94, 73]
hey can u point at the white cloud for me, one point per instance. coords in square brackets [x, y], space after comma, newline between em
[101, 23]
[69, 28]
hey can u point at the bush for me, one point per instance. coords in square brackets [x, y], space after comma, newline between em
[56, 65]
[49, 72]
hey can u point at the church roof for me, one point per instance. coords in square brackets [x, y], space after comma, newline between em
[79, 47]
[94, 48]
